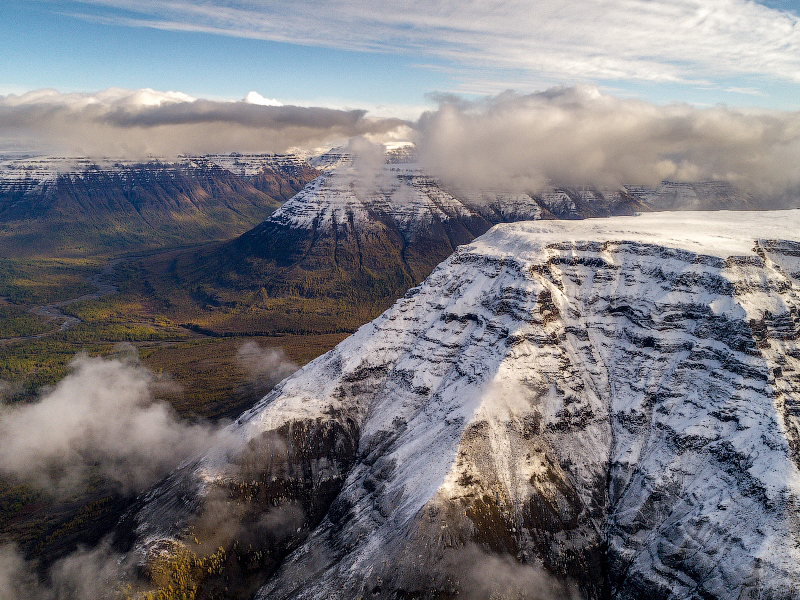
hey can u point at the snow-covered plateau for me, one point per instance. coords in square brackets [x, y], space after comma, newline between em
[598, 408]
[346, 195]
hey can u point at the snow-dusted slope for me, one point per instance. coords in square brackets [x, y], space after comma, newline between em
[251, 165]
[347, 195]
[412, 200]
[614, 402]
[379, 229]
[62, 205]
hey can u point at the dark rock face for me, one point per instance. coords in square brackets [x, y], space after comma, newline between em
[352, 242]
[612, 416]
[334, 256]
[708, 195]
[277, 488]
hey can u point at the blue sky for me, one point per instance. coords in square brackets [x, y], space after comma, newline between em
[604, 91]
[43, 46]
[344, 53]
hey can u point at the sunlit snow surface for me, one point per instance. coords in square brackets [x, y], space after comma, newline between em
[718, 233]
[630, 383]
[346, 194]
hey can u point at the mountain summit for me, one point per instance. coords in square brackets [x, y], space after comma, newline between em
[599, 408]
[352, 241]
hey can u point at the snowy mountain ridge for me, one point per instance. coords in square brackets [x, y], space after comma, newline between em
[33, 173]
[411, 198]
[30, 174]
[611, 403]
[339, 197]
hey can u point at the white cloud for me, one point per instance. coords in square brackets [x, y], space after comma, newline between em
[99, 573]
[104, 416]
[111, 97]
[137, 123]
[647, 40]
[579, 136]
[566, 135]
[264, 366]
[256, 98]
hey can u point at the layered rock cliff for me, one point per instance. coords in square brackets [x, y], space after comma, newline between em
[78, 206]
[604, 408]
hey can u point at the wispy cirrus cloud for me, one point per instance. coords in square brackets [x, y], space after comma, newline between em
[679, 41]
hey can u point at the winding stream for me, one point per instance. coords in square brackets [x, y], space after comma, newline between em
[53, 312]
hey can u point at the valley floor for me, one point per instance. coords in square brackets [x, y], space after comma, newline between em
[54, 309]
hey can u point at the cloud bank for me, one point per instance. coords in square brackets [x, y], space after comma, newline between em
[677, 41]
[578, 136]
[569, 136]
[103, 416]
[500, 576]
[138, 123]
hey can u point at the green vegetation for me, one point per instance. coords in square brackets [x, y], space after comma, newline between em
[48, 252]
[213, 383]
[40, 281]
[140, 208]
[46, 528]
[33, 365]
[16, 321]
[178, 573]
[199, 290]
[87, 333]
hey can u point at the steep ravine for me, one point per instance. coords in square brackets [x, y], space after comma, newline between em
[600, 408]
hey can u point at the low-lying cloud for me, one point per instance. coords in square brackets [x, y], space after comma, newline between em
[138, 123]
[97, 573]
[264, 366]
[8, 390]
[104, 417]
[578, 136]
[473, 572]
[481, 574]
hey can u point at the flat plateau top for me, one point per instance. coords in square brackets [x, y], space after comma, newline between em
[714, 233]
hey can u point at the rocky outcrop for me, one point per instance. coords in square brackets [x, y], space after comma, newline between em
[706, 195]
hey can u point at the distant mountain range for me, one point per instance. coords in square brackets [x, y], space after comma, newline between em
[77, 207]
[328, 259]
